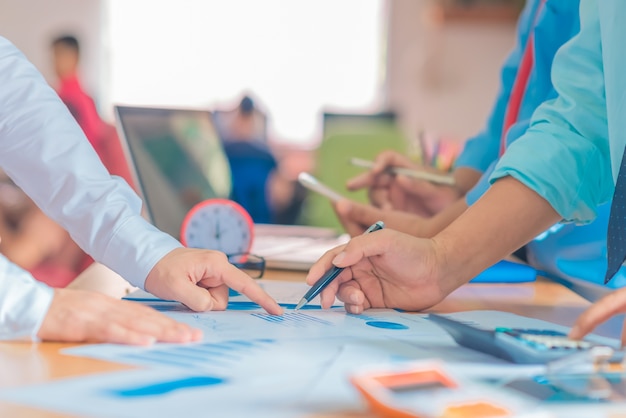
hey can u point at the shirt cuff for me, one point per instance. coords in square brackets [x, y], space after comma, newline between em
[135, 248]
[571, 175]
[24, 303]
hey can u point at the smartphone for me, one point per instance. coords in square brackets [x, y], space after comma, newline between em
[314, 184]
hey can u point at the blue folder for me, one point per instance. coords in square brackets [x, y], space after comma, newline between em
[507, 272]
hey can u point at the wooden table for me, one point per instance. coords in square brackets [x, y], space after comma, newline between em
[26, 363]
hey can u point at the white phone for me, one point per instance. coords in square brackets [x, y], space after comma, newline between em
[314, 184]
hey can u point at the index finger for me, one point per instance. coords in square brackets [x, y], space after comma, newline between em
[242, 283]
[323, 264]
[361, 181]
[612, 304]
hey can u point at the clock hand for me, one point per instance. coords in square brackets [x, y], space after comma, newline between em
[218, 233]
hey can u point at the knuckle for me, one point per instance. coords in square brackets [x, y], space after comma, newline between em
[220, 305]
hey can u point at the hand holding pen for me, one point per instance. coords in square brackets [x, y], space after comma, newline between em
[385, 269]
[400, 192]
[331, 274]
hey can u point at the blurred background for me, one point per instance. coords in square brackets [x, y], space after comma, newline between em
[298, 85]
[425, 60]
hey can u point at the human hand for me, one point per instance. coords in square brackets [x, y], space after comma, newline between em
[356, 218]
[200, 279]
[82, 316]
[612, 304]
[399, 192]
[384, 269]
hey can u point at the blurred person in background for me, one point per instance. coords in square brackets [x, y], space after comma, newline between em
[253, 165]
[66, 57]
[102, 136]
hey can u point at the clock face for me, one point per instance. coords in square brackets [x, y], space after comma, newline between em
[218, 224]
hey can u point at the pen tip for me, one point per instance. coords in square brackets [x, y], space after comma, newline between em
[300, 304]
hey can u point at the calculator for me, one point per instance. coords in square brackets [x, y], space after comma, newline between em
[524, 346]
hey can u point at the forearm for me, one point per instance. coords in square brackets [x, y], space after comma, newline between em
[436, 224]
[505, 218]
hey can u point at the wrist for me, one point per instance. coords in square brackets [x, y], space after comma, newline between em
[446, 269]
[465, 179]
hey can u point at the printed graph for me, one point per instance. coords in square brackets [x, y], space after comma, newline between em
[293, 319]
[221, 355]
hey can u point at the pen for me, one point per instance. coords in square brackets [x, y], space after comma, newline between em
[419, 175]
[330, 275]
[434, 158]
[422, 145]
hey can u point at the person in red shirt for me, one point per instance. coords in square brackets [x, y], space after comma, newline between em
[66, 53]
[102, 136]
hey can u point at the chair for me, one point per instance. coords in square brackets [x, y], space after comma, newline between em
[345, 136]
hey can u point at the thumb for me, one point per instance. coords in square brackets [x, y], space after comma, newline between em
[364, 214]
[363, 246]
[355, 217]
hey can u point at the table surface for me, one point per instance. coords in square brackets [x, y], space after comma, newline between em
[29, 363]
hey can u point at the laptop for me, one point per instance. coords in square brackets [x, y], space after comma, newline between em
[177, 160]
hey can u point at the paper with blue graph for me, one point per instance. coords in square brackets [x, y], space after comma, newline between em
[254, 364]
[233, 337]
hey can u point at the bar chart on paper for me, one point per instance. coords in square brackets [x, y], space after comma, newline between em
[239, 338]
[218, 355]
[292, 319]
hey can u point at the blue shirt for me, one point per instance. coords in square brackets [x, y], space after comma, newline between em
[553, 25]
[572, 151]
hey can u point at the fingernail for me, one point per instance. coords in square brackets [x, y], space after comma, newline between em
[150, 340]
[339, 258]
[355, 310]
[354, 298]
[575, 330]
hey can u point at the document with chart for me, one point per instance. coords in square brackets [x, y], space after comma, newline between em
[250, 363]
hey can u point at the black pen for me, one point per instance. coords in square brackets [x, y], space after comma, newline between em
[330, 275]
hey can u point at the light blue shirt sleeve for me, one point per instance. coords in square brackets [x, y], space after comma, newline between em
[564, 156]
[481, 187]
[481, 150]
[45, 152]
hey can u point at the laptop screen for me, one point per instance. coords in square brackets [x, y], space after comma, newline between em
[177, 158]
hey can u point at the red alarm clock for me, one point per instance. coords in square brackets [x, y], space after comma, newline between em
[218, 224]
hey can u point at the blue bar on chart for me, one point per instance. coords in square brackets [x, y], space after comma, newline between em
[223, 354]
[293, 319]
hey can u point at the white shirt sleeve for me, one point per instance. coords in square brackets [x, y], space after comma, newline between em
[23, 303]
[45, 152]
